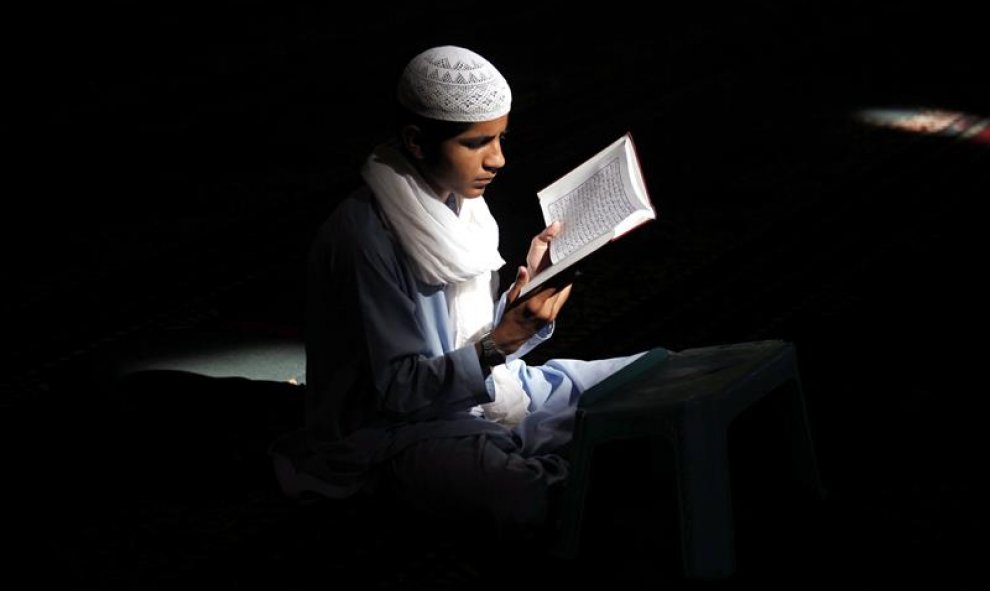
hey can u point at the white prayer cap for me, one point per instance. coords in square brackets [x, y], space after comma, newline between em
[453, 84]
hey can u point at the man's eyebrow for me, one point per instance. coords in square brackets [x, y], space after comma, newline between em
[484, 137]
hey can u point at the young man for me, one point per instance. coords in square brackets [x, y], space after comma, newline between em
[415, 382]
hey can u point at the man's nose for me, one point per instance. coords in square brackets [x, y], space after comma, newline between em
[494, 158]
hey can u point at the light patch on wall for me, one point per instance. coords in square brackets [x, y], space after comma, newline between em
[930, 121]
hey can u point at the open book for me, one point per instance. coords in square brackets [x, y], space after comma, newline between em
[597, 202]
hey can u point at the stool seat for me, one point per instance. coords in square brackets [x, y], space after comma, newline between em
[690, 398]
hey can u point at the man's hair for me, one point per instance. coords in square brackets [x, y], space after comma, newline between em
[433, 132]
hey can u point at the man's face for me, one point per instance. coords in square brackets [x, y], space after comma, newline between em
[467, 162]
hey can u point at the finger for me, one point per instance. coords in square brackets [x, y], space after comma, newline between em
[561, 299]
[543, 238]
[522, 278]
[550, 231]
[547, 307]
[535, 305]
[537, 252]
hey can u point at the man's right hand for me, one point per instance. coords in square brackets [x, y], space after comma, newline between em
[520, 323]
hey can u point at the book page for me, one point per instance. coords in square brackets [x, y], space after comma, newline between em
[596, 202]
[592, 209]
[632, 178]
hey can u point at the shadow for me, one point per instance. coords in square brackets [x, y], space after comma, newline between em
[156, 476]
[188, 433]
[154, 433]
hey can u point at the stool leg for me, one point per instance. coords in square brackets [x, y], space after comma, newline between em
[575, 493]
[805, 463]
[704, 497]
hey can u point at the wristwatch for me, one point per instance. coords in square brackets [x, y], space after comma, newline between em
[491, 355]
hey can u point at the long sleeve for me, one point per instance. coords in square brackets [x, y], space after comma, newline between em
[372, 360]
[409, 382]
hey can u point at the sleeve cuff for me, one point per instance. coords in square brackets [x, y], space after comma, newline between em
[537, 339]
[543, 334]
[467, 370]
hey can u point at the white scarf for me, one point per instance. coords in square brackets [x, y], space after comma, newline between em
[458, 251]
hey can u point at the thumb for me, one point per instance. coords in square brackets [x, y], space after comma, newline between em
[552, 230]
[548, 233]
[522, 278]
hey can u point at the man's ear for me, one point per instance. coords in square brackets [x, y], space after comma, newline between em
[411, 137]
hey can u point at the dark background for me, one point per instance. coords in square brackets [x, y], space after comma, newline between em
[168, 164]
